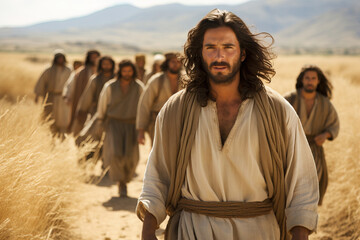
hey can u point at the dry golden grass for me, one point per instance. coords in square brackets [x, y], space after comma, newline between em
[37, 174]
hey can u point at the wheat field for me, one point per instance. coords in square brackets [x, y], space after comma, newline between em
[39, 175]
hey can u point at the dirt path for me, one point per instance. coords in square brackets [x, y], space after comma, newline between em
[105, 216]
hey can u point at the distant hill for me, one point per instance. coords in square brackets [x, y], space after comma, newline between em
[122, 28]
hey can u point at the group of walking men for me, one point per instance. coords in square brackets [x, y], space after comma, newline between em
[93, 100]
[231, 158]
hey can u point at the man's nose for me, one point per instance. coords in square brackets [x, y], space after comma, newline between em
[219, 54]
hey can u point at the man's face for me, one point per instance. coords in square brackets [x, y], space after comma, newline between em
[174, 65]
[60, 60]
[221, 55]
[127, 73]
[106, 65]
[310, 81]
[93, 58]
[140, 62]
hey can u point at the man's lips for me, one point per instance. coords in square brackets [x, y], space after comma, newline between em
[219, 68]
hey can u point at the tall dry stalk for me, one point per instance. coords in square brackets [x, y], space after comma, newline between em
[38, 176]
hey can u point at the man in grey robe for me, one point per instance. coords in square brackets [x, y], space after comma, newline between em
[117, 113]
[311, 101]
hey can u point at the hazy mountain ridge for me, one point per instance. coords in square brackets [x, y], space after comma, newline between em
[294, 23]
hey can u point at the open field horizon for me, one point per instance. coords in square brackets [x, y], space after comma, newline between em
[92, 211]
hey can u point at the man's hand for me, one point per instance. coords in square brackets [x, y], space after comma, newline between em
[67, 101]
[299, 233]
[141, 136]
[149, 227]
[320, 139]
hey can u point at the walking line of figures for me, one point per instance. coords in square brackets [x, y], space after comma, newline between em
[93, 99]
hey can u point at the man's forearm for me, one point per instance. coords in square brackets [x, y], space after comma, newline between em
[149, 227]
[299, 233]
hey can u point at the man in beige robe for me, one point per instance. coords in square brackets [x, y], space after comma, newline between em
[75, 86]
[230, 159]
[140, 61]
[158, 90]
[318, 116]
[117, 111]
[156, 67]
[49, 87]
[89, 99]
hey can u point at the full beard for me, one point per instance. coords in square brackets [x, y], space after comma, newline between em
[221, 78]
[126, 78]
[174, 71]
[309, 90]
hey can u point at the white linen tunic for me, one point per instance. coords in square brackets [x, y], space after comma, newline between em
[233, 173]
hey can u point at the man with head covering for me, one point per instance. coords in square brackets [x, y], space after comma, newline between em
[117, 112]
[230, 159]
[50, 86]
[140, 66]
[158, 90]
[156, 67]
[75, 86]
[311, 101]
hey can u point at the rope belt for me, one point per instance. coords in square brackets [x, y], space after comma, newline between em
[226, 209]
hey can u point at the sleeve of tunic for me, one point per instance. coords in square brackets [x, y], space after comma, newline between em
[104, 100]
[145, 104]
[40, 87]
[301, 180]
[332, 124]
[87, 97]
[69, 88]
[156, 180]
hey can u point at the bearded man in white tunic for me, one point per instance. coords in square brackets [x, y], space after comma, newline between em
[230, 159]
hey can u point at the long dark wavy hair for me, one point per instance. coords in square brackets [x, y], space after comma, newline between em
[88, 54]
[324, 87]
[125, 63]
[57, 56]
[256, 67]
[168, 56]
[104, 58]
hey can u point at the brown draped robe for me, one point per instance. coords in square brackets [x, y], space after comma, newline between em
[323, 118]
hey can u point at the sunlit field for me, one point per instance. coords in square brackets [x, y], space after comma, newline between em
[39, 175]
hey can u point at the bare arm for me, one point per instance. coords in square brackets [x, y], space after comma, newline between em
[149, 227]
[299, 233]
[321, 138]
[141, 136]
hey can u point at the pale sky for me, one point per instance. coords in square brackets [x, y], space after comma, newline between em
[27, 12]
